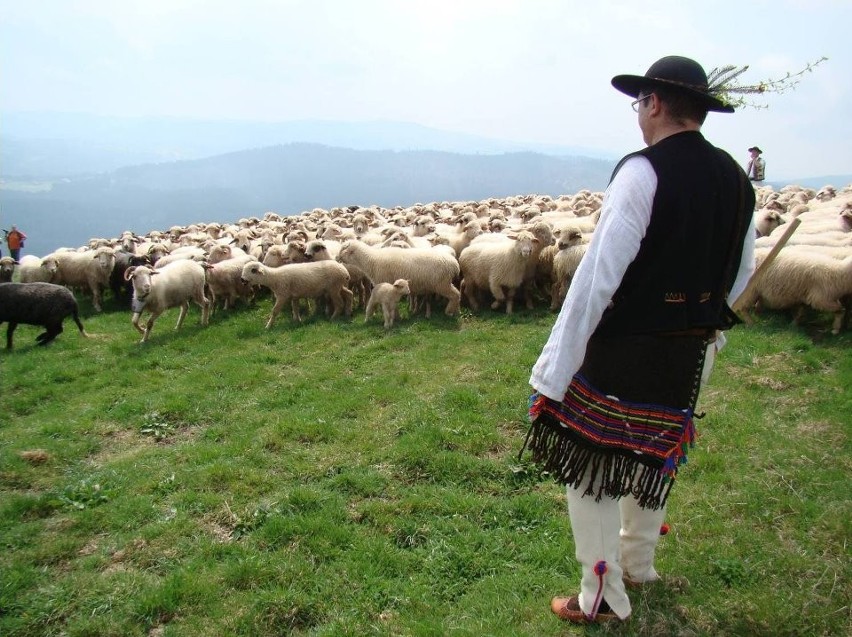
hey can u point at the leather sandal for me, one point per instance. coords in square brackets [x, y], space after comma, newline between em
[568, 608]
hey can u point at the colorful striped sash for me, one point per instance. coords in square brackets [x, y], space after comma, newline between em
[627, 447]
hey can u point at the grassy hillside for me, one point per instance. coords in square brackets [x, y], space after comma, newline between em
[335, 479]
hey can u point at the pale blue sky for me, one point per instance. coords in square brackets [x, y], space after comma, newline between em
[525, 70]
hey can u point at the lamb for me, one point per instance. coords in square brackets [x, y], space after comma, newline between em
[41, 304]
[89, 269]
[173, 285]
[302, 280]
[798, 278]
[427, 270]
[387, 295]
[496, 266]
[7, 269]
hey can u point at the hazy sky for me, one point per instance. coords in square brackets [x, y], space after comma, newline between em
[524, 70]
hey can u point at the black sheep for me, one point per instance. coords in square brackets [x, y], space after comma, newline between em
[42, 304]
[122, 290]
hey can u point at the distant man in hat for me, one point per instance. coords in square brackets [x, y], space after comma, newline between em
[756, 166]
[618, 379]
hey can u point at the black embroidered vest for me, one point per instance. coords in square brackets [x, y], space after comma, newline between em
[688, 259]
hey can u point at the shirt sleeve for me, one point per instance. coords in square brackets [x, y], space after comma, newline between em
[625, 217]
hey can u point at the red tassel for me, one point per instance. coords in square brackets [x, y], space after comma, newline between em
[599, 570]
[664, 529]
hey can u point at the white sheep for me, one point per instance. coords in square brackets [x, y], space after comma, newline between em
[35, 270]
[427, 270]
[498, 266]
[290, 283]
[326, 250]
[89, 269]
[174, 285]
[224, 280]
[572, 249]
[798, 278]
[387, 295]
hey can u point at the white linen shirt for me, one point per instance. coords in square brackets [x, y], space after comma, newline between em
[625, 217]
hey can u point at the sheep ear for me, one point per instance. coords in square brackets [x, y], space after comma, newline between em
[128, 273]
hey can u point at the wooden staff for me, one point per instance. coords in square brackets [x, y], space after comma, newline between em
[739, 306]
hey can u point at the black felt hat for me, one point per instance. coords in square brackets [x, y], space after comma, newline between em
[674, 72]
[755, 148]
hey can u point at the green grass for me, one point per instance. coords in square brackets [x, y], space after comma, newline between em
[337, 479]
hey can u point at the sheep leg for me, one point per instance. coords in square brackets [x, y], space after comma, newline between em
[499, 297]
[528, 294]
[371, 307]
[387, 312]
[510, 300]
[837, 324]
[469, 293]
[454, 297]
[96, 298]
[337, 303]
[294, 305]
[204, 304]
[554, 296]
[348, 296]
[184, 308]
[135, 321]
[9, 331]
[52, 331]
[276, 310]
[149, 326]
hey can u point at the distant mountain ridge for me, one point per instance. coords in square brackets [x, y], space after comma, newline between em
[51, 145]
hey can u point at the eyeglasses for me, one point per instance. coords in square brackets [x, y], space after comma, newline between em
[635, 105]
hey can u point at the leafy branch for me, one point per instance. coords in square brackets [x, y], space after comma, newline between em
[723, 84]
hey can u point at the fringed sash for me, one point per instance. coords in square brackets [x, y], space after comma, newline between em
[626, 447]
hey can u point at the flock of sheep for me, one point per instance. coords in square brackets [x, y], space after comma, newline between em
[814, 268]
[516, 250]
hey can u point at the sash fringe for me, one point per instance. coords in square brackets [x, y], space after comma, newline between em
[568, 458]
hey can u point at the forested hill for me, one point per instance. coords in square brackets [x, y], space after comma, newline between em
[287, 179]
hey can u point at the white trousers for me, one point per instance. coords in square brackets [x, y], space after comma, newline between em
[619, 533]
[622, 535]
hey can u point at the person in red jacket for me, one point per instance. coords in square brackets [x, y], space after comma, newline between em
[15, 240]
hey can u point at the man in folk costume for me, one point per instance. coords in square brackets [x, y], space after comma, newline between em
[756, 169]
[618, 379]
